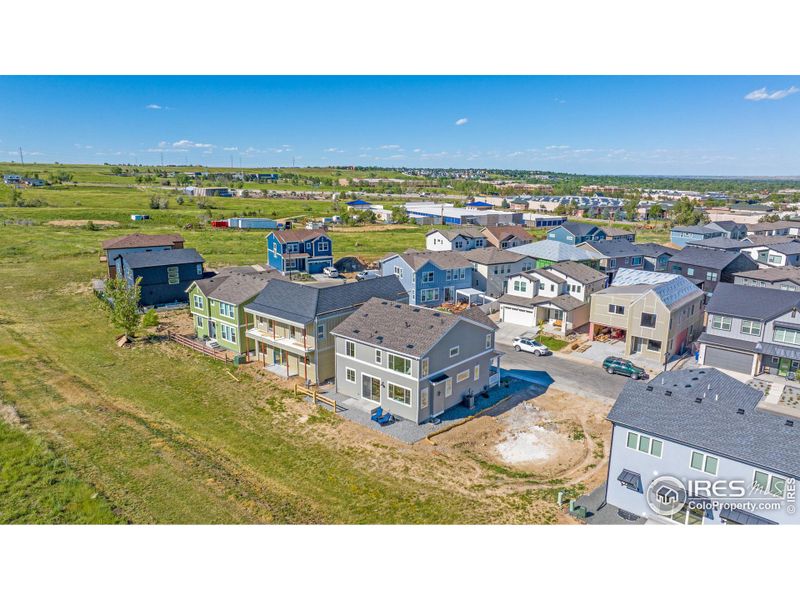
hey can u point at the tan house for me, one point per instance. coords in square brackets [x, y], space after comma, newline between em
[290, 323]
[656, 315]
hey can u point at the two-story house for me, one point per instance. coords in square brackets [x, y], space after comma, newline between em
[781, 228]
[613, 255]
[574, 233]
[547, 252]
[299, 250]
[657, 315]
[491, 268]
[679, 442]
[617, 233]
[683, 234]
[707, 267]
[782, 254]
[752, 329]
[414, 362]
[163, 276]
[217, 305]
[656, 256]
[556, 296]
[290, 324]
[782, 278]
[730, 229]
[136, 242]
[460, 238]
[430, 278]
[507, 236]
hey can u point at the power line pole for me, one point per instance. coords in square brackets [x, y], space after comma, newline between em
[21, 159]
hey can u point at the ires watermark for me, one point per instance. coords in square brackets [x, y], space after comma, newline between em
[667, 496]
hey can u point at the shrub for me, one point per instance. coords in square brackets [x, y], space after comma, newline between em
[150, 318]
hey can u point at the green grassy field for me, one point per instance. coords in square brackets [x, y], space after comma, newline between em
[158, 434]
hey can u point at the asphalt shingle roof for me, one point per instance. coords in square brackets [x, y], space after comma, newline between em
[577, 271]
[492, 256]
[451, 234]
[298, 235]
[410, 330]
[756, 437]
[705, 257]
[554, 251]
[239, 287]
[444, 259]
[577, 228]
[301, 303]
[161, 258]
[653, 249]
[613, 248]
[773, 274]
[141, 240]
[750, 302]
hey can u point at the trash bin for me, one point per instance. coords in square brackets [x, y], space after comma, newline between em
[239, 359]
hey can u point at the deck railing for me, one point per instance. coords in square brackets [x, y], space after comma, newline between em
[197, 345]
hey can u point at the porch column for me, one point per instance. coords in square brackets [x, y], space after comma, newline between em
[591, 331]
[285, 355]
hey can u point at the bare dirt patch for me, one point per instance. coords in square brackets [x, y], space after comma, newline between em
[390, 227]
[81, 223]
[9, 415]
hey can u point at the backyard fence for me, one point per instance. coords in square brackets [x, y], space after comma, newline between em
[315, 396]
[199, 346]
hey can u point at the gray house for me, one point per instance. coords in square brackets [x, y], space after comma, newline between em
[415, 362]
[707, 267]
[681, 441]
[782, 278]
[615, 254]
[491, 268]
[656, 256]
[751, 330]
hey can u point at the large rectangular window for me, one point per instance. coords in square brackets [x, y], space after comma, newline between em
[751, 328]
[520, 285]
[704, 462]
[399, 364]
[399, 394]
[198, 301]
[350, 348]
[721, 323]
[226, 310]
[228, 333]
[648, 320]
[787, 336]
[616, 309]
[431, 295]
[644, 443]
[462, 376]
[427, 277]
[771, 484]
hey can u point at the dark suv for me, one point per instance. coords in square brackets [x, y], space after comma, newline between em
[620, 366]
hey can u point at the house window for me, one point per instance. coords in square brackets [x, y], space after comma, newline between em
[462, 273]
[616, 309]
[226, 310]
[200, 321]
[644, 443]
[654, 345]
[764, 482]
[428, 277]
[454, 351]
[774, 259]
[721, 323]
[199, 269]
[448, 275]
[462, 376]
[173, 276]
[423, 398]
[431, 295]
[704, 462]
[198, 302]
[378, 356]
[648, 320]
[477, 373]
[520, 286]
[323, 247]
[399, 364]
[398, 271]
[350, 374]
[711, 276]
[788, 336]
[399, 394]
[488, 340]
[612, 263]
[350, 348]
[320, 331]
[448, 388]
[425, 367]
[751, 328]
[458, 245]
[228, 333]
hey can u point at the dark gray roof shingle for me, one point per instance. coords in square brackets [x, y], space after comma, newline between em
[577, 271]
[705, 257]
[756, 437]
[751, 302]
[613, 248]
[162, 258]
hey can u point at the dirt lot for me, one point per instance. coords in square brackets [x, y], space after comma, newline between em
[364, 228]
[82, 223]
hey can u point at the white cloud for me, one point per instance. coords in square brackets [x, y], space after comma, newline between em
[154, 107]
[231, 148]
[333, 150]
[556, 147]
[390, 147]
[462, 121]
[764, 94]
[190, 144]
[417, 149]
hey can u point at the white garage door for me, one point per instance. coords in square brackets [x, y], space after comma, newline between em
[518, 316]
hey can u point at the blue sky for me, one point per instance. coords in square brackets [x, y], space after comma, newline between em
[595, 125]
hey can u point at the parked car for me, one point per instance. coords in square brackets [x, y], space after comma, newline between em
[331, 272]
[619, 366]
[529, 344]
[367, 275]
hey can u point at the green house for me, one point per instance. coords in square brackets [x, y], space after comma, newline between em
[217, 305]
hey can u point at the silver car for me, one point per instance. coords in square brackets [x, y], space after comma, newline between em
[528, 344]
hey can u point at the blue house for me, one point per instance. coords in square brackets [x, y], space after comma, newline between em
[574, 233]
[430, 278]
[137, 242]
[682, 235]
[165, 275]
[299, 250]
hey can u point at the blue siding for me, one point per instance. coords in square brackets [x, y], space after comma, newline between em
[427, 279]
[560, 234]
[319, 249]
[155, 285]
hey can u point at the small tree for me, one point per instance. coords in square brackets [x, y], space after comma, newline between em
[124, 304]
[150, 318]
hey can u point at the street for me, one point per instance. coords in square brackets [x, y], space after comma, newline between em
[562, 373]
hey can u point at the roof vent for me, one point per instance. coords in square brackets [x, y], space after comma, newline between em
[356, 331]
[384, 303]
[649, 388]
[668, 393]
[409, 345]
[695, 378]
[698, 400]
[789, 423]
[739, 411]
